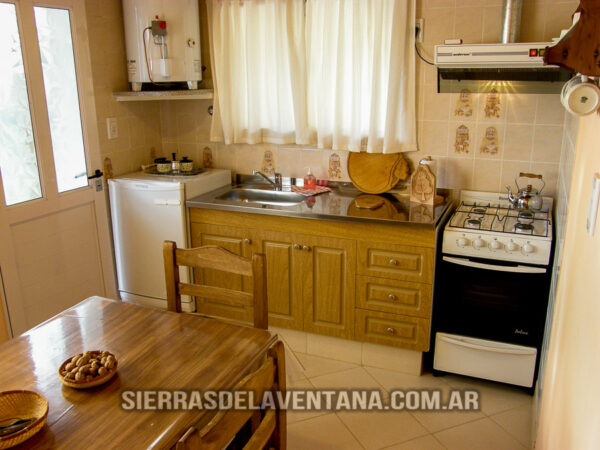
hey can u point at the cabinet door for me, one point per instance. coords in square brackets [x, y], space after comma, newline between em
[328, 289]
[237, 240]
[284, 278]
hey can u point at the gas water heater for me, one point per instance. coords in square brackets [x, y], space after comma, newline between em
[162, 38]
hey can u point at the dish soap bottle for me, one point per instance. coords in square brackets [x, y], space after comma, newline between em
[310, 182]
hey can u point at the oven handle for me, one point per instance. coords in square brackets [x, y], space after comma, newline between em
[486, 347]
[514, 269]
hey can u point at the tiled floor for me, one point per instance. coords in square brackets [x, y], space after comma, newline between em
[504, 421]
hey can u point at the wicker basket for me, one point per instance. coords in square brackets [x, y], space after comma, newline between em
[22, 405]
[97, 381]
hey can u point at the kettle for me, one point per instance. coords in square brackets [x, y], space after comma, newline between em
[527, 197]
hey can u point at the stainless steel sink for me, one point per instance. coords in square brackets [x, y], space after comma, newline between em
[261, 196]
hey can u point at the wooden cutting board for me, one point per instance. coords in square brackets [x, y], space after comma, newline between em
[376, 173]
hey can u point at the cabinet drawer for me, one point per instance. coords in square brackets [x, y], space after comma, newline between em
[399, 297]
[392, 329]
[401, 262]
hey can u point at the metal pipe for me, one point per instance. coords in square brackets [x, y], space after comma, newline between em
[511, 20]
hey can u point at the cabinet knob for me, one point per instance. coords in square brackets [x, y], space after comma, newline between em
[297, 246]
[390, 330]
[247, 241]
[392, 297]
[307, 248]
[393, 262]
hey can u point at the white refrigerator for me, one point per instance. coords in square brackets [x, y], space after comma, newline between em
[146, 210]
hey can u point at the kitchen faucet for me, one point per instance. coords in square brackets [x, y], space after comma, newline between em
[277, 184]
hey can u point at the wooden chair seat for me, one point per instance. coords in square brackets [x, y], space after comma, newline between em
[216, 258]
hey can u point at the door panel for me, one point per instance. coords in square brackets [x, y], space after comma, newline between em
[57, 251]
[236, 240]
[284, 280]
[328, 290]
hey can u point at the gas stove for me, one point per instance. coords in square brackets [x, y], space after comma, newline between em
[486, 225]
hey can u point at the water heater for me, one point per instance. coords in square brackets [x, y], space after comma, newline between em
[162, 39]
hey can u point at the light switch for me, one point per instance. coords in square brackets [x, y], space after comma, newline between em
[112, 129]
[593, 208]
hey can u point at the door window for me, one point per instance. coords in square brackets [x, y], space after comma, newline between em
[18, 157]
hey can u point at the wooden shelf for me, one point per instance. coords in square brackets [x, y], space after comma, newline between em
[145, 96]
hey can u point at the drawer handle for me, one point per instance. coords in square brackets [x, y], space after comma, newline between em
[297, 246]
[393, 262]
[392, 297]
[390, 330]
[247, 241]
[307, 248]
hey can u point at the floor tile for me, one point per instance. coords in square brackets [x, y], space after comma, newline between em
[483, 434]
[334, 348]
[392, 358]
[397, 380]
[315, 366]
[324, 432]
[493, 397]
[356, 378]
[378, 429]
[439, 420]
[423, 443]
[517, 422]
[297, 416]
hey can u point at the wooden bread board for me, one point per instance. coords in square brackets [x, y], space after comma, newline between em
[376, 173]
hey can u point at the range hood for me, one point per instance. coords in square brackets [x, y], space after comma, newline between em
[505, 68]
[508, 67]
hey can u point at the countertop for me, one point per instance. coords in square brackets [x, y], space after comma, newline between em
[339, 204]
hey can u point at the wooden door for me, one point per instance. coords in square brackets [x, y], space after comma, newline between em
[284, 278]
[240, 241]
[328, 285]
[55, 249]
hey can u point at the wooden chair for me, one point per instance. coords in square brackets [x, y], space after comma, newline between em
[268, 427]
[213, 257]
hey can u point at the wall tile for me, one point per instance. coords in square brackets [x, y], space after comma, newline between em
[547, 143]
[434, 138]
[459, 173]
[518, 142]
[486, 175]
[468, 24]
[521, 108]
[549, 110]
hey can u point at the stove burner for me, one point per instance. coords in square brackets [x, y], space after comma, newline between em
[527, 215]
[521, 227]
[479, 210]
[473, 223]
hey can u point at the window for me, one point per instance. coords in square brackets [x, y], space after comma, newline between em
[335, 74]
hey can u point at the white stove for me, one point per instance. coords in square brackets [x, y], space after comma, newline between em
[486, 225]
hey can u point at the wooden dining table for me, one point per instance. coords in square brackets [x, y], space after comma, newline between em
[155, 349]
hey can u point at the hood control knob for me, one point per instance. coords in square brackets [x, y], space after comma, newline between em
[478, 243]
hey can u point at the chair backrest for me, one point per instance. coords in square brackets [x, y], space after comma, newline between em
[213, 257]
[268, 426]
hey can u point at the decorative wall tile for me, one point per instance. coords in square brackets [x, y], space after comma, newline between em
[464, 105]
[108, 169]
[489, 144]
[268, 163]
[463, 140]
[492, 107]
[207, 158]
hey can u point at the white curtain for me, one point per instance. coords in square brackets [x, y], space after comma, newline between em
[361, 74]
[342, 78]
[257, 52]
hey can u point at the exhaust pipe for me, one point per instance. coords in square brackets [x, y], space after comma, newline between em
[511, 20]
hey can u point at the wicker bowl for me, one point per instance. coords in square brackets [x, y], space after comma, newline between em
[22, 405]
[96, 381]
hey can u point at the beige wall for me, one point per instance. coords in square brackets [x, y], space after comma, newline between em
[138, 123]
[570, 414]
[530, 126]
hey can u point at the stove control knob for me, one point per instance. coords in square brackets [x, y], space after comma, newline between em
[495, 245]
[462, 242]
[528, 248]
[511, 246]
[478, 243]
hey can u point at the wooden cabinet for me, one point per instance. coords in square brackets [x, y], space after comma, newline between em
[368, 282]
[328, 287]
[284, 278]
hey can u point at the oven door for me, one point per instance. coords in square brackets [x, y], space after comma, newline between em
[492, 300]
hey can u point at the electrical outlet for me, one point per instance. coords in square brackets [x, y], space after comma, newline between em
[420, 30]
[112, 129]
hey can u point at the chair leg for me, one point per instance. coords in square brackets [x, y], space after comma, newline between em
[279, 437]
